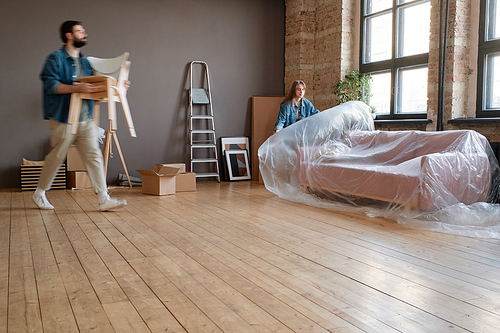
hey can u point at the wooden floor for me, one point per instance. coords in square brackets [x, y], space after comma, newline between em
[234, 258]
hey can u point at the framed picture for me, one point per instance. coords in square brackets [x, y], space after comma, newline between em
[232, 143]
[237, 163]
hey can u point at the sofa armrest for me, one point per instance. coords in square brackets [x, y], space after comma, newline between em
[453, 177]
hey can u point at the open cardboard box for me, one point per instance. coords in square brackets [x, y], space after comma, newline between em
[161, 182]
[184, 181]
[167, 179]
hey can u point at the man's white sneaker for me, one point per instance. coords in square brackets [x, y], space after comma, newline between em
[111, 203]
[42, 202]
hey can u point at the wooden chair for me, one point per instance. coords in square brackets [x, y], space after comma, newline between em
[111, 74]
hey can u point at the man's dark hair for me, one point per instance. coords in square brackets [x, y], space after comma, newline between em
[67, 27]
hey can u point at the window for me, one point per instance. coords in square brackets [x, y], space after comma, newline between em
[395, 51]
[488, 88]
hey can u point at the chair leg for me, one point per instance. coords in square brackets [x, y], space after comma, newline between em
[74, 111]
[126, 111]
[106, 150]
[111, 106]
[97, 112]
[122, 159]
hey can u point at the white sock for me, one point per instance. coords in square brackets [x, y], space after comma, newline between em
[39, 192]
[103, 196]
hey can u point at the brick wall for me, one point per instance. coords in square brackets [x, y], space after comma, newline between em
[299, 43]
[457, 61]
[319, 48]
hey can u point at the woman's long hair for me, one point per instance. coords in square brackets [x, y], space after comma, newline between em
[291, 93]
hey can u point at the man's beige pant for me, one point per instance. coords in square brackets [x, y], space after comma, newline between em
[86, 142]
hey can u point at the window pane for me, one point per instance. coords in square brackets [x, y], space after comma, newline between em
[378, 43]
[381, 93]
[414, 29]
[412, 90]
[492, 81]
[493, 20]
[373, 6]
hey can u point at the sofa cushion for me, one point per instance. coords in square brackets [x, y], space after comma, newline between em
[428, 169]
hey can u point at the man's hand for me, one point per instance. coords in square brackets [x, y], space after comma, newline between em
[126, 83]
[88, 88]
[79, 88]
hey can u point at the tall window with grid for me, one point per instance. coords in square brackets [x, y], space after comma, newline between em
[395, 51]
[488, 87]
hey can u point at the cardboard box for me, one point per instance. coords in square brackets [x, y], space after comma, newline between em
[185, 182]
[167, 179]
[157, 183]
[78, 180]
[73, 160]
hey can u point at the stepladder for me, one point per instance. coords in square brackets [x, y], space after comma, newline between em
[203, 158]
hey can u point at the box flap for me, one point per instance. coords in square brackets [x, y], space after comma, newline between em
[147, 173]
[168, 170]
[181, 166]
[154, 173]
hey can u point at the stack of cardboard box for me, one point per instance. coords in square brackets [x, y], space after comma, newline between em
[76, 172]
[167, 179]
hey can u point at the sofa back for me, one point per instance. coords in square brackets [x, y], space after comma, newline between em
[395, 147]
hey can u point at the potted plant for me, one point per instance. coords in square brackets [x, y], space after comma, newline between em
[355, 86]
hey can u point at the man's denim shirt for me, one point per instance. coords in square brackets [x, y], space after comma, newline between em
[60, 68]
[288, 113]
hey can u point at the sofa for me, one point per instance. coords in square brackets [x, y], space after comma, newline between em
[418, 170]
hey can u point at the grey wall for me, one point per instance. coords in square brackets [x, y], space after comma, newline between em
[242, 42]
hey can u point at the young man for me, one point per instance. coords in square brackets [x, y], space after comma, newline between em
[61, 69]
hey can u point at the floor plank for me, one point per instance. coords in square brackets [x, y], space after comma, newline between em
[24, 308]
[5, 218]
[85, 303]
[232, 257]
[55, 308]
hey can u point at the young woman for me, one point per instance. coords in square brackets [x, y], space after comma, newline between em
[294, 107]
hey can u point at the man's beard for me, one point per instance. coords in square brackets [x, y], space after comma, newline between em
[79, 43]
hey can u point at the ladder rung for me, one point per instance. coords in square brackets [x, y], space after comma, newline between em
[198, 175]
[202, 117]
[203, 160]
[203, 145]
[202, 142]
[202, 131]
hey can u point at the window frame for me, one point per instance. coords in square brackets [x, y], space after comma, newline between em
[485, 48]
[395, 63]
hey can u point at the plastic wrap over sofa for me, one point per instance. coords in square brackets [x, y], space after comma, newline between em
[336, 159]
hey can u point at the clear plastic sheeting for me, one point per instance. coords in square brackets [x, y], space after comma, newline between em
[443, 181]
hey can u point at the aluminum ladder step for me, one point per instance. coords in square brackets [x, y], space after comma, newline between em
[201, 145]
[202, 117]
[203, 160]
[202, 175]
[200, 96]
[203, 131]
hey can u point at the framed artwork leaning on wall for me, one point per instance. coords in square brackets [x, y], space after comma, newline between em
[238, 166]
